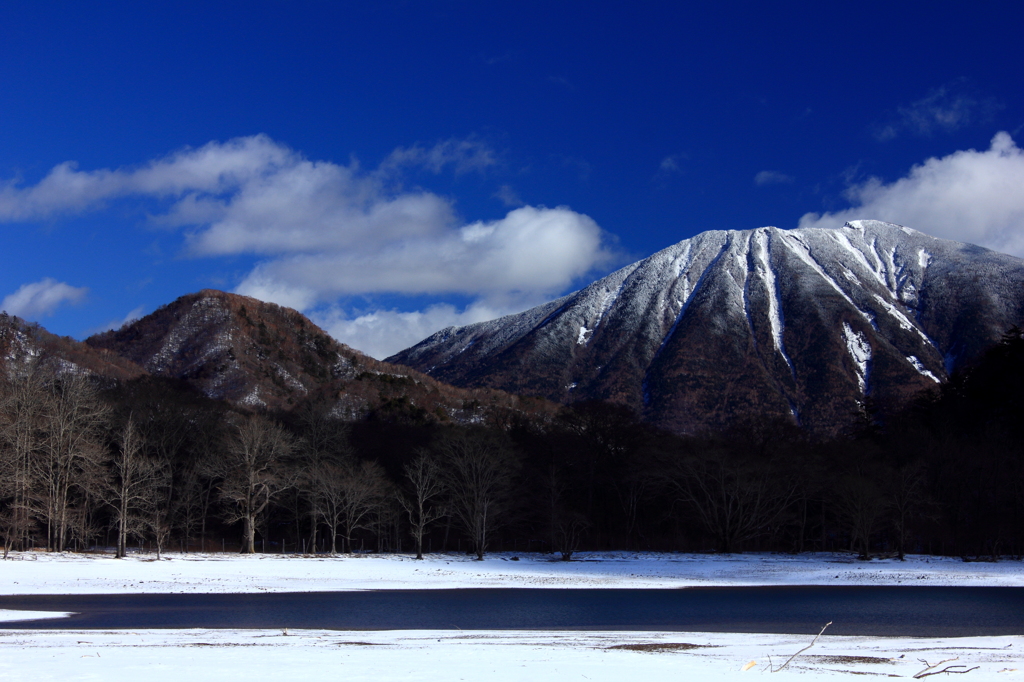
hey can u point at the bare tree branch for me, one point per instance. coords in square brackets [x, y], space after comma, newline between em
[813, 641]
[931, 668]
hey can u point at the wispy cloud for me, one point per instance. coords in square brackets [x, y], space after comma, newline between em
[463, 155]
[134, 314]
[970, 196]
[670, 167]
[497, 59]
[41, 298]
[770, 177]
[581, 167]
[507, 195]
[328, 230]
[944, 109]
[670, 164]
[562, 82]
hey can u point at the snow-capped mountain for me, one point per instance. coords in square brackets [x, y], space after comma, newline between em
[797, 324]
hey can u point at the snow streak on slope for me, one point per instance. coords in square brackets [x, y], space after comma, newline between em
[859, 257]
[798, 247]
[207, 312]
[921, 369]
[764, 269]
[693, 292]
[860, 351]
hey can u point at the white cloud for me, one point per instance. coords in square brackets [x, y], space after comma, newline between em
[41, 298]
[530, 251]
[328, 230]
[768, 177]
[970, 196]
[382, 333]
[213, 169]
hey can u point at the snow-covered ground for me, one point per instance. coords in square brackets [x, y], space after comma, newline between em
[431, 656]
[437, 656]
[42, 573]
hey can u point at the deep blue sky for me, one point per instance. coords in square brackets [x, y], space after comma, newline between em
[655, 120]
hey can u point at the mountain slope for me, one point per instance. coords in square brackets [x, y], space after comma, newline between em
[233, 348]
[797, 324]
[261, 355]
[22, 343]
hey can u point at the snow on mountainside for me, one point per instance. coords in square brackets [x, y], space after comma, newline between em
[233, 348]
[798, 324]
[23, 343]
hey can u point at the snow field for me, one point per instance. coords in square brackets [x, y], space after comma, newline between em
[439, 656]
[42, 573]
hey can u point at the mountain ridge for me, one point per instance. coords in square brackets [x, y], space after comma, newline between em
[254, 355]
[260, 355]
[802, 325]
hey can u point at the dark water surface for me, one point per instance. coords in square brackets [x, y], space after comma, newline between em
[885, 611]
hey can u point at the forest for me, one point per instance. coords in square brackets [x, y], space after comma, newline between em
[150, 465]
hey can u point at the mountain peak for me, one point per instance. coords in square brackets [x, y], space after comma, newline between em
[233, 347]
[803, 325]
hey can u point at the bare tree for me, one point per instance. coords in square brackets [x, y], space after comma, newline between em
[736, 498]
[325, 459]
[906, 488]
[860, 501]
[130, 486]
[251, 473]
[479, 471]
[166, 433]
[327, 486]
[386, 520]
[568, 533]
[422, 496]
[193, 502]
[23, 400]
[361, 490]
[160, 519]
[73, 418]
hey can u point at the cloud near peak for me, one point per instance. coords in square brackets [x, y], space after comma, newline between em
[970, 196]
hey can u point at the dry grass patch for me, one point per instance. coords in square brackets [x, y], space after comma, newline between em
[658, 647]
[850, 659]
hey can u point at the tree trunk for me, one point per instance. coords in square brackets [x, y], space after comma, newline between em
[249, 543]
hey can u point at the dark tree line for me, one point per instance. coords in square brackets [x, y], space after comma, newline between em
[84, 465]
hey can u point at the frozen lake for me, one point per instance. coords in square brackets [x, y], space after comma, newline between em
[855, 610]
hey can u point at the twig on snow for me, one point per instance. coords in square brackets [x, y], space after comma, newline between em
[931, 669]
[783, 666]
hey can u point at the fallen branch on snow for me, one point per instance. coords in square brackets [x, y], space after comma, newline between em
[783, 666]
[931, 669]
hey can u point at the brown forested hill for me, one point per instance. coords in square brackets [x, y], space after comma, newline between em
[260, 355]
[23, 342]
